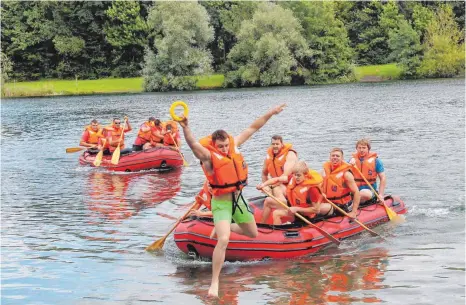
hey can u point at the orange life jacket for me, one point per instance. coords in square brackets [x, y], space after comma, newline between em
[230, 172]
[335, 187]
[204, 197]
[367, 168]
[299, 194]
[155, 138]
[167, 138]
[146, 135]
[115, 134]
[275, 163]
[94, 135]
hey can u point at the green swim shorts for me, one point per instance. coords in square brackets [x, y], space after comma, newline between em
[223, 210]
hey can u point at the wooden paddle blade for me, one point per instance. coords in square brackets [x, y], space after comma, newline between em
[393, 216]
[98, 158]
[157, 245]
[116, 156]
[74, 149]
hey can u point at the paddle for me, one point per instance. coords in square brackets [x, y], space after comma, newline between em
[392, 215]
[325, 233]
[116, 153]
[74, 149]
[158, 244]
[98, 158]
[354, 219]
[178, 149]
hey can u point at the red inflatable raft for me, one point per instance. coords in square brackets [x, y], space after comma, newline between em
[279, 242]
[154, 158]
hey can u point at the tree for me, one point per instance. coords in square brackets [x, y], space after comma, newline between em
[443, 46]
[182, 33]
[127, 31]
[405, 45]
[6, 66]
[268, 49]
[226, 18]
[327, 37]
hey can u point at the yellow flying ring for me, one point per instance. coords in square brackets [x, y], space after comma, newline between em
[172, 110]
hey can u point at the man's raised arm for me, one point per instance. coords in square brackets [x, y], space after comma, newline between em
[257, 124]
[202, 153]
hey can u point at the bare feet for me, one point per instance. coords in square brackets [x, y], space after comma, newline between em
[213, 234]
[213, 290]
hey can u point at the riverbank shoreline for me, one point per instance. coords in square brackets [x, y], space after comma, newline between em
[108, 86]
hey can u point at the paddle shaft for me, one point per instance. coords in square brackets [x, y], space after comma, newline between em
[161, 240]
[98, 158]
[178, 149]
[354, 219]
[371, 187]
[391, 214]
[74, 149]
[325, 233]
[122, 134]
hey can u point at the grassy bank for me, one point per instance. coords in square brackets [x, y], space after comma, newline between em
[377, 72]
[134, 85]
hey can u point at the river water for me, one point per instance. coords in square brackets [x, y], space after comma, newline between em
[75, 235]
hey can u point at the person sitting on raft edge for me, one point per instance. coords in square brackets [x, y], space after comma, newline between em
[302, 193]
[227, 172]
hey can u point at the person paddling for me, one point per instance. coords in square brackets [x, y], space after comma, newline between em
[114, 133]
[339, 186]
[91, 135]
[204, 198]
[302, 193]
[370, 165]
[144, 136]
[227, 173]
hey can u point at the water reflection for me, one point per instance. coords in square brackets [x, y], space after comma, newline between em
[341, 279]
[115, 197]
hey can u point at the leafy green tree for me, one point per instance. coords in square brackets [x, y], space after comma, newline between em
[327, 37]
[127, 31]
[125, 25]
[443, 46]
[226, 18]
[6, 67]
[406, 48]
[182, 33]
[422, 17]
[268, 49]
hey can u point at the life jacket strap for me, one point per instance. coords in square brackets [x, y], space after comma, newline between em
[224, 186]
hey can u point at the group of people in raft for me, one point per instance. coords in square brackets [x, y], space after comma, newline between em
[284, 175]
[152, 133]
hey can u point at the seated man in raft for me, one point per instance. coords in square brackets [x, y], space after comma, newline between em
[280, 159]
[91, 136]
[171, 135]
[203, 199]
[113, 134]
[302, 192]
[150, 135]
[339, 186]
[370, 165]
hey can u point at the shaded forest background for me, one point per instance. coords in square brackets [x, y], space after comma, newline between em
[251, 43]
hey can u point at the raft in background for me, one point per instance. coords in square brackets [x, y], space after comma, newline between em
[154, 158]
[192, 236]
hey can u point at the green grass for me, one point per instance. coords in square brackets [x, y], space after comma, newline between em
[388, 71]
[99, 86]
[134, 85]
[210, 81]
[71, 87]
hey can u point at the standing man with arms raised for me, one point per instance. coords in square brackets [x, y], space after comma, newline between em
[226, 171]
